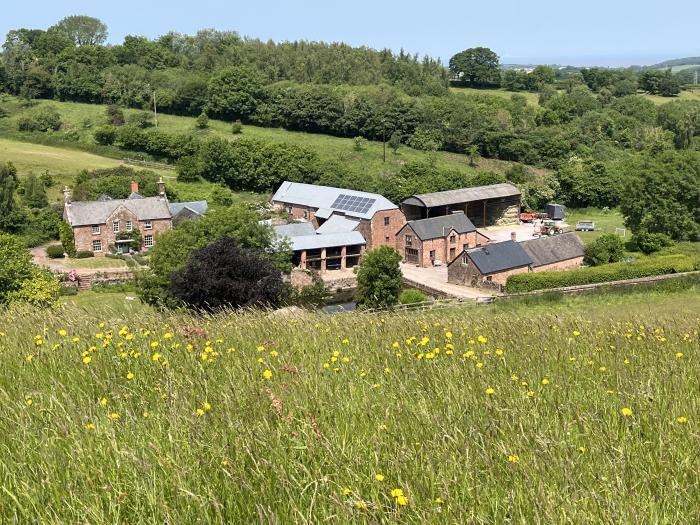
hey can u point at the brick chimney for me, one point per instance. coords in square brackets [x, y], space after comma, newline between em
[513, 236]
[66, 196]
[134, 186]
[161, 188]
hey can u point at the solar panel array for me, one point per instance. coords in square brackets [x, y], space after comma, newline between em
[353, 203]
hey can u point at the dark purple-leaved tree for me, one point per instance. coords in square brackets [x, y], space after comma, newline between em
[223, 274]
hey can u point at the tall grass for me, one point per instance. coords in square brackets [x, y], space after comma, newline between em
[477, 416]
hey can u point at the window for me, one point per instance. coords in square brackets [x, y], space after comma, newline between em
[453, 253]
[489, 278]
[129, 226]
[453, 239]
[148, 241]
[289, 210]
[147, 225]
[115, 226]
[432, 254]
[465, 246]
[465, 259]
[386, 221]
[409, 239]
[97, 246]
[95, 230]
[306, 214]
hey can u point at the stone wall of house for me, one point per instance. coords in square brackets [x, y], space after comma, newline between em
[441, 245]
[382, 234]
[84, 235]
[297, 212]
[569, 264]
[469, 275]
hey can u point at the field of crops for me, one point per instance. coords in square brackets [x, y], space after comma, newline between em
[463, 416]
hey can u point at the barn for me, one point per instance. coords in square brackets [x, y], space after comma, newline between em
[493, 205]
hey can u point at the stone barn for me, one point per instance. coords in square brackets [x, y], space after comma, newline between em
[494, 205]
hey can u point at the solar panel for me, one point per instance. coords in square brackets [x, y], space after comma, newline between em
[353, 203]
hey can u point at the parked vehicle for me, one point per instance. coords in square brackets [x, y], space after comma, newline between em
[585, 226]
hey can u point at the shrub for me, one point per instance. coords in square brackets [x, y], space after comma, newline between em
[41, 289]
[48, 118]
[237, 127]
[115, 115]
[55, 251]
[27, 124]
[15, 265]
[84, 254]
[648, 243]
[359, 144]
[141, 120]
[65, 234]
[379, 278]
[202, 121]
[656, 265]
[105, 135]
[607, 248]
[412, 296]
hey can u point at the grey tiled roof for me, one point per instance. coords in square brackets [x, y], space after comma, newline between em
[198, 207]
[440, 226]
[477, 193]
[498, 257]
[554, 248]
[97, 212]
[325, 196]
[337, 224]
[294, 229]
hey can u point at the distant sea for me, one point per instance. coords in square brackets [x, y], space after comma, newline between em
[601, 61]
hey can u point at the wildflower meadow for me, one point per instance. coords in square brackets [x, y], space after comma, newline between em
[452, 416]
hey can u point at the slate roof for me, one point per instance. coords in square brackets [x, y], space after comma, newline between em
[198, 207]
[97, 212]
[477, 193]
[329, 240]
[337, 224]
[553, 248]
[325, 196]
[498, 257]
[434, 227]
[295, 229]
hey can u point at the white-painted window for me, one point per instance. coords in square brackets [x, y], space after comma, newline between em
[95, 230]
[129, 226]
[147, 225]
[115, 226]
[96, 246]
[148, 241]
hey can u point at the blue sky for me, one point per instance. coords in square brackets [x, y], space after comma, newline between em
[605, 32]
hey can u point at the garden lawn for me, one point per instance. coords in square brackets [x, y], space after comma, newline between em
[606, 221]
[453, 416]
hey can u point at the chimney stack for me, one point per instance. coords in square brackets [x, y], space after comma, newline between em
[134, 186]
[66, 196]
[161, 188]
[513, 236]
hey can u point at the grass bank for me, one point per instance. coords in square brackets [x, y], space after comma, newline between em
[465, 416]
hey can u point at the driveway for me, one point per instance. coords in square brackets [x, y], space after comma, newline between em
[64, 265]
[436, 278]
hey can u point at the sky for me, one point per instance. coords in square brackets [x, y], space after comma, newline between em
[594, 32]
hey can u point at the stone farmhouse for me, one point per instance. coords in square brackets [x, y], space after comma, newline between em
[490, 266]
[430, 242]
[104, 225]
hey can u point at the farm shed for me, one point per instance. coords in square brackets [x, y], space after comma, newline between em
[494, 205]
[556, 252]
[489, 266]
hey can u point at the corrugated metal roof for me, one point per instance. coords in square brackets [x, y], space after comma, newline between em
[498, 257]
[337, 224]
[325, 196]
[477, 193]
[329, 240]
[199, 207]
[97, 212]
[440, 226]
[554, 248]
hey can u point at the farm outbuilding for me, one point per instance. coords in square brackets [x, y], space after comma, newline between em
[494, 205]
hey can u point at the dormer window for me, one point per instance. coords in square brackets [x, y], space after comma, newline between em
[147, 225]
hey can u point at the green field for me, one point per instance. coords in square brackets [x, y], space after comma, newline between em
[74, 115]
[462, 416]
[606, 221]
[532, 98]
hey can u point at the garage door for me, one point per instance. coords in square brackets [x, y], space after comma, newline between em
[411, 255]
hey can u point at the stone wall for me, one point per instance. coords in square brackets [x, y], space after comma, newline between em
[441, 245]
[382, 234]
[569, 264]
[469, 275]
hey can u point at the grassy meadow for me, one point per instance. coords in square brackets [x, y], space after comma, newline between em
[455, 416]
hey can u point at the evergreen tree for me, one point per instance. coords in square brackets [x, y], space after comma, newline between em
[34, 193]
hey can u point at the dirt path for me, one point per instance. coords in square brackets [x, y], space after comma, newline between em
[40, 258]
